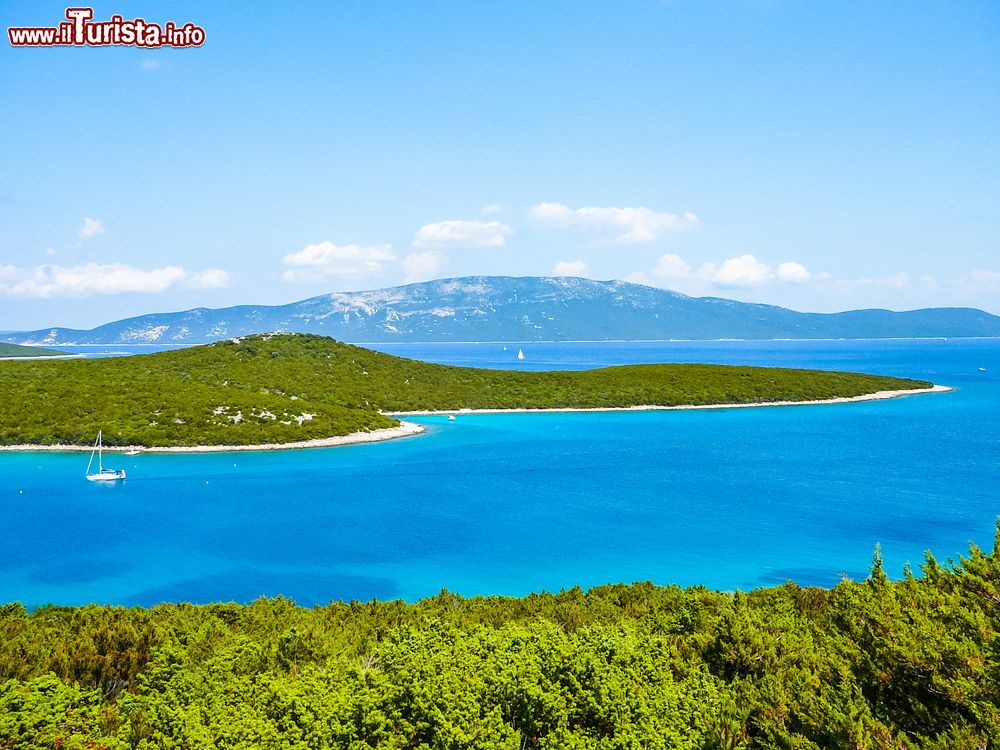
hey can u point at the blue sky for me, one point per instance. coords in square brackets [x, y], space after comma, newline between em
[822, 156]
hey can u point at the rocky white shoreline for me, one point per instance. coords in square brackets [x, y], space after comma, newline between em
[405, 429]
[877, 396]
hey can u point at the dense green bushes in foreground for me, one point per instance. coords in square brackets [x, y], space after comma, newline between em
[287, 387]
[876, 664]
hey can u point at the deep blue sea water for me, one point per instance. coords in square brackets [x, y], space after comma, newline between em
[509, 504]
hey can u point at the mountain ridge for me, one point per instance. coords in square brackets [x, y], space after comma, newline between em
[511, 309]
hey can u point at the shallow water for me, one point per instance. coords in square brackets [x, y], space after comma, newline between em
[508, 504]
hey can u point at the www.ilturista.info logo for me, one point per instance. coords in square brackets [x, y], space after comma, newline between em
[80, 30]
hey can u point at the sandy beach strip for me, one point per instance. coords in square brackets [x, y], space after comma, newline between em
[878, 396]
[405, 429]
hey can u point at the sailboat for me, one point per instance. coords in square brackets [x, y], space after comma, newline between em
[520, 353]
[102, 475]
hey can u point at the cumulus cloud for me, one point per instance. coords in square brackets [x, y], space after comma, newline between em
[740, 271]
[626, 225]
[90, 228]
[893, 281]
[980, 288]
[47, 281]
[571, 268]
[210, 278]
[325, 259]
[462, 233]
[671, 267]
[793, 273]
[743, 270]
[670, 270]
[792, 284]
[423, 265]
[986, 279]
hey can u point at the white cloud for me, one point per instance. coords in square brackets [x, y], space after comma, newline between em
[743, 270]
[638, 277]
[671, 267]
[793, 273]
[673, 272]
[210, 278]
[324, 259]
[670, 270]
[461, 233]
[492, 208]
[47, 281]
[791, 284]
[91, 228]
[628, 225]
[987, 279]
[423, 265]
[893, 281]
[570, 268]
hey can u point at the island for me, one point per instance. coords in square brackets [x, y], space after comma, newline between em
[16, 351]
[298, 390]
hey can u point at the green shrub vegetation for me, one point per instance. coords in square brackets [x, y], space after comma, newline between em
[16, 350]
[913, 663]
[285, 387]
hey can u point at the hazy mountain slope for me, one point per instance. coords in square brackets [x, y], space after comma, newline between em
[501, 308]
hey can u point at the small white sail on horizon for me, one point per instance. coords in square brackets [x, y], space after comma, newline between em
[102, 475]
[520, 353]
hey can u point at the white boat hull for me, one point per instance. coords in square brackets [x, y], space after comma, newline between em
[107, 476]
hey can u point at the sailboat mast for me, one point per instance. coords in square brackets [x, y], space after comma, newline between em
[91, 461]
[100, 452]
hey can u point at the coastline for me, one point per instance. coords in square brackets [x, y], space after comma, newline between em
[877, 396]
[405, 429]
[42, 356]
[408, 429]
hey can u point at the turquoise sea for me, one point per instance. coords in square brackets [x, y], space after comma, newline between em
[509, 504]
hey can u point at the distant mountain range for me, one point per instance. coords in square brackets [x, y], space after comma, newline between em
[503, 308]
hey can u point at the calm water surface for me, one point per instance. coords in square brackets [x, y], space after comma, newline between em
[508, 504]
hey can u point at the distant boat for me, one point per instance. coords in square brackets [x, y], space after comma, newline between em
[982, 369]
[505, 348]
[102, 475]
[520, 353]
[451, 417]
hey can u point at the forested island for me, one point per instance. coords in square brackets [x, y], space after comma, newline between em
[876, 664]
[282, 388]
[16, 350]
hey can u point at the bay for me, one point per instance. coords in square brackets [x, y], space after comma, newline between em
[514, 503]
